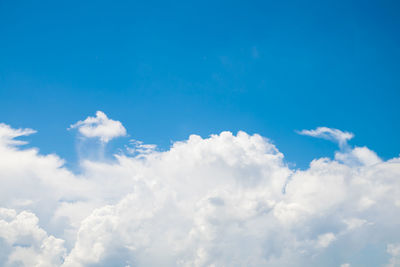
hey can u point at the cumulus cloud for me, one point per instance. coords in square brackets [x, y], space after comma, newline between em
[26, 243]
[100, 127]
[329, 134]
[225, 200]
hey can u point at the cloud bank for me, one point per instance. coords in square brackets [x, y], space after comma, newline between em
[225, 200]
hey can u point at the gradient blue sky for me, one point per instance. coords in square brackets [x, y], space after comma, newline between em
[168, 70]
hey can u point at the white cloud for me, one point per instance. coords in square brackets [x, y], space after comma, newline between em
[136, 147]
[329, 134]
[226, 200]
[26, 242]
[358, 156]
[100, 127]
[325, 239]
[8, 135]
[394, 251]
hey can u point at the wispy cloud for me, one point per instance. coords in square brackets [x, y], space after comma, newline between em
[331, 134]
[8, 134]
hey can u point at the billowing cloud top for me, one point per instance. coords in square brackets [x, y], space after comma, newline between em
[225, 200]
[101, 127]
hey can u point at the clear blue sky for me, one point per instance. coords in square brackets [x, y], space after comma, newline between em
[170, 69]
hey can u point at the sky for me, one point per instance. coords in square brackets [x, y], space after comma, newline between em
[211, 133]
[167, 70]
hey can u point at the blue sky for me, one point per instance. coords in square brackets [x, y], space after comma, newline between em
[168, 70]
[90, 76]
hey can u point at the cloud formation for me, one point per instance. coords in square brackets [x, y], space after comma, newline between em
[100, 127]
[225, 200]
[8, 135]
[26, 243]
[329, 134]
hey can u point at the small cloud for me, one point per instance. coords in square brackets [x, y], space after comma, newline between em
[138, 147]
[331, 134]
[355, 223]
[394, 251]
[100, 127]
[325, 239]
[8, 134]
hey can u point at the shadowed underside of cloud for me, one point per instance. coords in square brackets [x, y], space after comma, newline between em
[226, 200]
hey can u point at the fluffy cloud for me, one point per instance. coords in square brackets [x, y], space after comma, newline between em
[226, 200]
[26, 243]
[100, 127]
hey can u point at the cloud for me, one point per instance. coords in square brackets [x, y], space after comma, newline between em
[394, 251]
[8, 134]
[325, 240]
[100, 127]
[26, 243]
[216, 201]
[329, 134]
